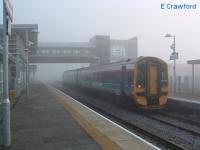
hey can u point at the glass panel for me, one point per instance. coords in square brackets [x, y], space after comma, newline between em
[141, 75]
[164, 76]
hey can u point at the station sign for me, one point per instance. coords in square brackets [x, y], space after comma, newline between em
[174, 56]
[172, 46]
[9, 9]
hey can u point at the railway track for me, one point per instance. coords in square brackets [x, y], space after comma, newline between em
[188, 127]
[128, 125]
[190, 120]
[172, 144]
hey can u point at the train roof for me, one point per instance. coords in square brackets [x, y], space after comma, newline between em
[116, 65]
[111, 66]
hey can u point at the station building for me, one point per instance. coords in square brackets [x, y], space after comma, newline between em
[24, 38]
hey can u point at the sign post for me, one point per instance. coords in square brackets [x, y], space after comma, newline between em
[7, 19]
[174, 57]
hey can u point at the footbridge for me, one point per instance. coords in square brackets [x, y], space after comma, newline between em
[100, 49]
[97, 50]
[75, 52]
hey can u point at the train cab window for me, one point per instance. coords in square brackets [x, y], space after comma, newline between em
[141, 76]
[164, 76]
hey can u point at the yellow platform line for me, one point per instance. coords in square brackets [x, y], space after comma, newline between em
[104, 141]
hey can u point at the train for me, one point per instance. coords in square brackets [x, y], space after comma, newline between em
[143, 80]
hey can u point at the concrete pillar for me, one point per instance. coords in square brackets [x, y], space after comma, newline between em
[102, 48]
[192, 78]
[179, 84]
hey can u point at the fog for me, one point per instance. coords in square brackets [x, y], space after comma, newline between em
[53, 72]
[79, 20]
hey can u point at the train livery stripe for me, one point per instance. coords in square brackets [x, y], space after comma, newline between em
[111, 85]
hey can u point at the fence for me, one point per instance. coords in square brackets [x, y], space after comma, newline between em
[184, 85]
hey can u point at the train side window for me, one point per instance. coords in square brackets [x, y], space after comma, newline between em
[130, 78]
[98, 77]
[110, 77]
[116, 77]
[141, 75]
[107, 77]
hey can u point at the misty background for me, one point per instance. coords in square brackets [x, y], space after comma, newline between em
[79, 20]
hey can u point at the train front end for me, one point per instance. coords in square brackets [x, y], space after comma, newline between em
[151, 83]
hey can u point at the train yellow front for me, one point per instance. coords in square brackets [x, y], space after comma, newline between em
[144, 80]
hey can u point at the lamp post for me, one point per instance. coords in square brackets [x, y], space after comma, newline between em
[173, 56]
[27, 73]
[27, 50]
[7, 19]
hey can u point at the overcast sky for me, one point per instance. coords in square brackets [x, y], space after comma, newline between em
[79, 20]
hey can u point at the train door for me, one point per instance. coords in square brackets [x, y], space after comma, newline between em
[153, 82]
[123, 80]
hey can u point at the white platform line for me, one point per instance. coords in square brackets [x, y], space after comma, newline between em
[183, 99]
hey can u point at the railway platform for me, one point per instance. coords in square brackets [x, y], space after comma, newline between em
[49, 119]
[186, 98]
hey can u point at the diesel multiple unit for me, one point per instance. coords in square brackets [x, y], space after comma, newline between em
[144, 80]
